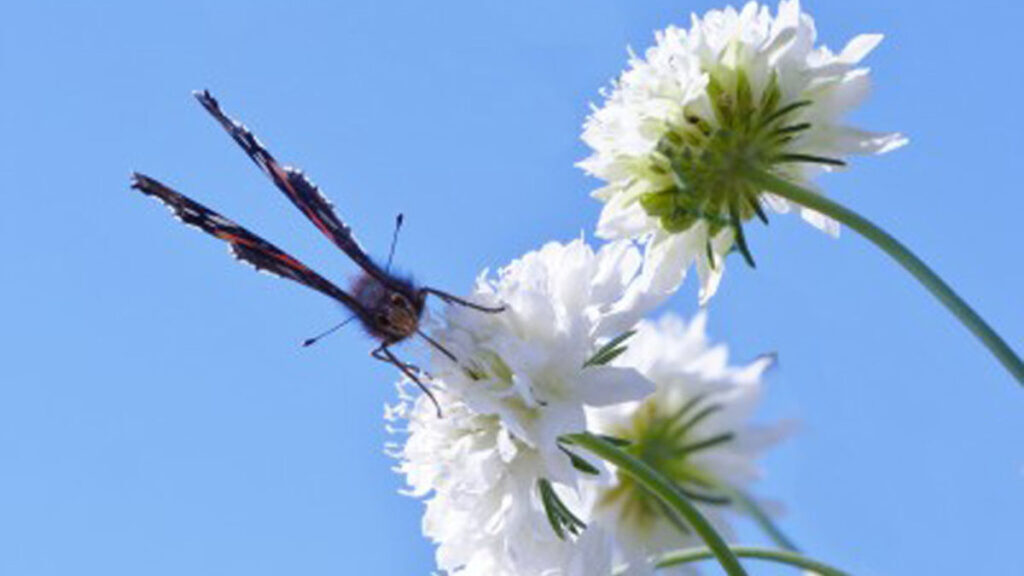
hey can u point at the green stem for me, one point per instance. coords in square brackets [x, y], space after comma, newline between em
[745, 502]
[781, 556]
[666, 491]
[901, 254]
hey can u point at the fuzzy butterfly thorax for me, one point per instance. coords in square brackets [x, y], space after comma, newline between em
[394, 309]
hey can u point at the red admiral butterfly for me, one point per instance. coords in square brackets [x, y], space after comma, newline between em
[388, 306]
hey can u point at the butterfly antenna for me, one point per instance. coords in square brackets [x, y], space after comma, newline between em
[394, 240]
[310, 341]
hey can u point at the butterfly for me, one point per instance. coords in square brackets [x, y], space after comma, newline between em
[389, 307]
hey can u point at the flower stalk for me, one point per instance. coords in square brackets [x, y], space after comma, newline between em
[901, 254]
[667, 492]
[691, 555]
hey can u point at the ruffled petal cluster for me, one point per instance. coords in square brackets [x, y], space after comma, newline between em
[737, 89]
[529, 364]
[520, 380]
[479, 478]
[479, 482]
[696, 429]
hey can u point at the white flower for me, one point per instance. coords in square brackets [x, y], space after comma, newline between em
[520, 379]
[695, 429]
[529, 365]
[483, 510]
[737, 90]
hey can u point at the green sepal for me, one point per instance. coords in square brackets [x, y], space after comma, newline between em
[580, 463]
[771, 96]
[562, 519]
[755, 205]
[615, 440]
[696, 419]
[744, 99]
[550, 510]
[659, 203]
[721, 101]
[710, 442]
[785, 111]
[680, 221]
[791, 129]
[710, 253]
[610, 351]
[741, 239]
[671, 515]
[809, 158]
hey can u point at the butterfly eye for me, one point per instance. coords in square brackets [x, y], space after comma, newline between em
[397, 300]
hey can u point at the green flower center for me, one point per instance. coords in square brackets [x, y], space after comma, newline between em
[666, 441]
[701, 161]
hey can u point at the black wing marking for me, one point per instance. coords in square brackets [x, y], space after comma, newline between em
[303, 193]
[245, 245]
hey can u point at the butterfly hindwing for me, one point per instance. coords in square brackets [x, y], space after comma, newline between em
[245, 245]
[305, 195]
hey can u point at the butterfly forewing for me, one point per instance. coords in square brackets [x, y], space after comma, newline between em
[245, 245]
[305, 195]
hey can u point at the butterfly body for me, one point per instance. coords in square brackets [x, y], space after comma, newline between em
[388, 306]
[393, 311]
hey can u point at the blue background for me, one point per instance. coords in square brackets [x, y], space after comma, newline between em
[157, 415]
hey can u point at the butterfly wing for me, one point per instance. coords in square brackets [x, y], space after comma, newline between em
[304, 194]
[245, 245]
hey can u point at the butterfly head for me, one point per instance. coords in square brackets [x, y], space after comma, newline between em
[393, 310]
[399, 317]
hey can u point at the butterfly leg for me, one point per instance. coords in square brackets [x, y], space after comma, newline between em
[384, 354]
[437, 345]
[452, 299]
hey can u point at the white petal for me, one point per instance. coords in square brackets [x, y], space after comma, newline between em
[622, 221]
[778, 204]
[821, 222]
[617, 264]
[845, 140]
[592, 553]
[607, 385]
[711, 272]
[666, 259]
[859, 47]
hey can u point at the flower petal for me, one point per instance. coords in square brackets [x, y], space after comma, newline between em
[859, 47]
[607, 385]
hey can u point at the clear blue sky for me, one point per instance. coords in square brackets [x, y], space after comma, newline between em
[158, 417]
